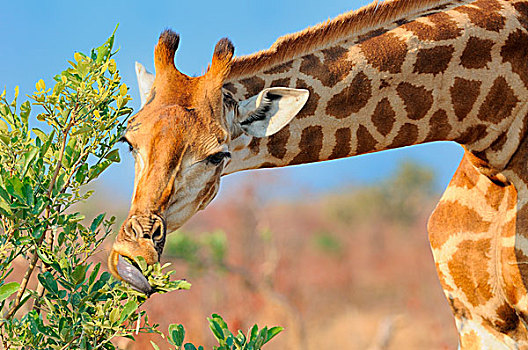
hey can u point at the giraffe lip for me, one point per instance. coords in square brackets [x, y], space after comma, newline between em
[129, 273]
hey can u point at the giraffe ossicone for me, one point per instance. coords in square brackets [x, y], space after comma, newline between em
[389, 75]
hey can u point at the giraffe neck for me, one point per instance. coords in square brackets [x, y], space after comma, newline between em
[449, 74]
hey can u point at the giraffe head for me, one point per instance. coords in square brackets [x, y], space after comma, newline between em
[181, 141]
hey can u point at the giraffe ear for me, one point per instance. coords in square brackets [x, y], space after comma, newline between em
[271, 110]
[145, 81]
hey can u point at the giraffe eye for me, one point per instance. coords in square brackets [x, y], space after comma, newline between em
[217, 158]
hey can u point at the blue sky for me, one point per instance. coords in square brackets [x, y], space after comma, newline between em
[38, 38]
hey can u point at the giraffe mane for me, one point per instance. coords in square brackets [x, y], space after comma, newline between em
[348, 25]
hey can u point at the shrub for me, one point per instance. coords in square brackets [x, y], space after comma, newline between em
[44, 173]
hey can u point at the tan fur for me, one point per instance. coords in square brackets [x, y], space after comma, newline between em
[389, 75]
[374, 15]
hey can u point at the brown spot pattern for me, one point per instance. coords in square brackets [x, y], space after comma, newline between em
[477, 53]
[268, 165]
[469, 271]
[283, 82]
[384, 117]
[281, 68]
[334, 54]
[452, 217]
[522, 268]
[466, 176]
[499, 102]
[230, 87]
[342, 146]
[464, 93]
[515, 51]
[352, 99]
[371, 34]
[311, 105]
[253, 86]
[310, 145]
[417, 99]
[277, 143]
[472, 134]
[254, 145]
[444, 28]
[486, 14]
[522, 8]
[507, 320]
[499, 142]
[434, 60]
[335, 68]
[407, 135]
[494, 195]
[439, 127]
[365, 141]
[385, 52]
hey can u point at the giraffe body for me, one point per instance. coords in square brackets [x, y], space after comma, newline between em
[446, 76]
[386, 76]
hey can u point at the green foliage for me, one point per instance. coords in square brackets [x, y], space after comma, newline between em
[44, 173]
[328, 243]
[255, 339]
[203, 250]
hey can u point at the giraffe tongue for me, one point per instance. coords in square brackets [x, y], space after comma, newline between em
[132, 275]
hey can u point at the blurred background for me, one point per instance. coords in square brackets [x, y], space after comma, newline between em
[336, 252]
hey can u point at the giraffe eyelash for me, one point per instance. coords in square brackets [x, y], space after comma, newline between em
[124, 140]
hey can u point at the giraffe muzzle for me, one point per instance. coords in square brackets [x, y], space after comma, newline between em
[140, 236]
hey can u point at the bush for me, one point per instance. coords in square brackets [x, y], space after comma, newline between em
[44, 173]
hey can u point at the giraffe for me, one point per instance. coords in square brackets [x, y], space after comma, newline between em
[388, 75]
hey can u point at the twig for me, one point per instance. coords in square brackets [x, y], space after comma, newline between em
[25, 280]
[34, 258]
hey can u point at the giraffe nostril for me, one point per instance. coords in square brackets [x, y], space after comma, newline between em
[157, 233]
[135, 229]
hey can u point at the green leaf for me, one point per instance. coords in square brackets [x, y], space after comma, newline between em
[177, 333]
[141, 262]
[3, 127]
[5, 139]
[80, 175]
[40, 134]
[25, 110]
[48, 282]
[114, 315]
[40, 85]
[8, 289]
[189, 346]
[44, 257]
[28, 158]
[44, 148]
[97, 169]
[217, 330]
[15, 188]
[81, 130]
[5, 208]
[104, 51]
[94, 273]
[79, 274]
[96, 222]
[272, 332]
[113, 156]
[123, 89]
[128, 310]
[253, 333]
[154, 345]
